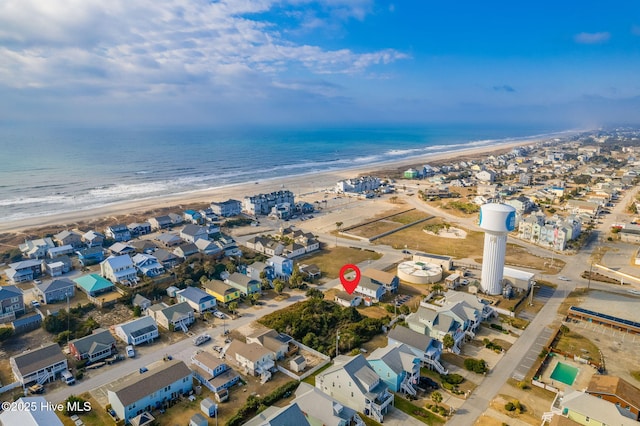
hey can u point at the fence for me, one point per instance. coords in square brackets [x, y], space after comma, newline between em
[10, 387]
[545, 386]
[325, 360]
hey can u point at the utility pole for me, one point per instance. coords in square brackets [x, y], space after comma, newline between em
[337, 342]
[590, 271]
[68, 320]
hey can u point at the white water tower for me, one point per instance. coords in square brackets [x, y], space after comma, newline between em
[497, 220]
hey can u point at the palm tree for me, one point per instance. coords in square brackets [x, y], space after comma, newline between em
[436, 397]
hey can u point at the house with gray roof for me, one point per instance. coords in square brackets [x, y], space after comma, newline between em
[120, 249]
[56, 290]
[192, 233]
[185, 250]
[151, 390]
[245, 284]
[352, 382]
[278, 343]
[118, 232]
[11, 302]
[368, 288]
[36, 249]
[290, 415]
[436, 324]
[137, 331]
[160, 222]
[119, 269]
[58, 266]
[71, 238]
[147, 264]
[423, 346]
[172, 317]
[24, 270]
[252, 358]
[93, 238]
[208, 247]
[98, 345]
[140, 300]
[213, 372]
[199, 300]
[168, 259]
[397, 366]
[320, 408]
[39, 365]
[37, 414]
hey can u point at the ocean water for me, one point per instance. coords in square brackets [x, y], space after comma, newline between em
[48, 171]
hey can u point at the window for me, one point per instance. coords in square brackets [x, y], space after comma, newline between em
[351, 394]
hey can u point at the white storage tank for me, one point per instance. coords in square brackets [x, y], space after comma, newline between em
[497, 220]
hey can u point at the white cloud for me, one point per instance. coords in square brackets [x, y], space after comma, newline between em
[164, 46]
[592, 38]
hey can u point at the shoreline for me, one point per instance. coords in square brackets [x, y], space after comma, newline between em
[299, 184]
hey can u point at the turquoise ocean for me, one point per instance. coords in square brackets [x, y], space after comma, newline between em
[56, 170]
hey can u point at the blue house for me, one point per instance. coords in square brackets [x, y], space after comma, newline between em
[282, 267]
[198, 299]
[193, 216]
[94, 284]
[56, 290]
[90, 255]
[423, 346]
[397, 366]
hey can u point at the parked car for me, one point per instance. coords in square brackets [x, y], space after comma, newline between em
[217, 348]
[201, 339]
[35, 303]
[219, 314]
[143, 370]
[37, 388]
[131, 353]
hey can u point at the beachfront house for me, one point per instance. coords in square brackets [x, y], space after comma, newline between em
[261, 204]
[353, 383]
[223, 292]
[138, 331]
[98, 345]
[160, 222]
[139, 228]
[56, 290]
[154, 389]
[68, 238]
[40, 365]
[118, 232]
[245, 284]
[11, 303]
[199, 300]
[119, 269]
[227, 208]
[36, 249]
[193, 216]
[172, 317]
[213, 372]
[93, 238]
[24, 270]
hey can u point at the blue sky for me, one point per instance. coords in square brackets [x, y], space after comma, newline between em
[295, 62]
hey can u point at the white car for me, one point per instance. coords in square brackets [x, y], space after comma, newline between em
[563, 278]
[219, 314]
[634, 291]
[131, 353]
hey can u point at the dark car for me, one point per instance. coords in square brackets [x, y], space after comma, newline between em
[428, 383]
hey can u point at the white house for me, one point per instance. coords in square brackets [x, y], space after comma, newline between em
[119, 269]
[39, 365]
[192, 233]
[251, 357]
[137, 331]
[178, 316]
[147, 265]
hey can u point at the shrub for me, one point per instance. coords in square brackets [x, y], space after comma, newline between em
[509, 406]
[454, 379]
[496, 327]
[478, 366]
[522, 385]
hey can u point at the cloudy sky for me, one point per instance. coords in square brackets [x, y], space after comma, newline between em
[328, 61]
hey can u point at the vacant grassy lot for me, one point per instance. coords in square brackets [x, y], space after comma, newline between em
[375, 228]
[331, 260]
[98, 416]
[577, 344]
[409, 217]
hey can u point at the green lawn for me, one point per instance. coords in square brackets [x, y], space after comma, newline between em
[330, 260]
[419, 413]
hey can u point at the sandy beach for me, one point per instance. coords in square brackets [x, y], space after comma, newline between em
[300, 184]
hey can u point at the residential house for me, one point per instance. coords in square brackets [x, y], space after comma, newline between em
[358, 185]
[223, 292]
[94, 285]
[160, 222]
[311, 272]
[71, 238]
[55, 252]
[289, 415]
[90, 255]
[227, 208]
[56, 290]
[138, 331]
[36, 249]
[589, 410]
[251, 357]
[93, 238]
[199, 300]
[141, 301]
[192, 216]
[173, 317]
[169, 240]
[166, 258]
[139, 228]
[265, 245]
[144, 246]
[388, 280]
[617, 391]
[40, 365]
[98, 345]
[185, 250]
[121, 249]
[119, 269]
[176, 219]
[436, 324]
[368, 288]
[301, 238]
[319, 408]
[278, 343]
[192, 233]
[213, 372]
[577, 207]
[424, 347]
[11, 302]
[347, 300]
[261, 204]
[245, 284]
[147, 265]
[397, 366]
[208, 247]
[353, 383]
[24, 270]
[38, 413]
[486, 176]
[282, 267]
[118, 232]
[58, 266]
[150, 390]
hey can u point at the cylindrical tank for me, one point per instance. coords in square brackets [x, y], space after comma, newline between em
[497, 220]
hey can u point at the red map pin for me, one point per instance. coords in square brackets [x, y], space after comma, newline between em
[349, 285]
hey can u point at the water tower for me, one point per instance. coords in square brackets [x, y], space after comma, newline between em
[497, 220]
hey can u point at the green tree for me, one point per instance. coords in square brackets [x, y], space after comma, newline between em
[233, 306]
[231, 267]
[137, 311]
[278, 284]
[254, 298]
[447, 341]
[73, 405]
[295, 280]
[436, 397]
[5, 333]
[314, 293]
[437, 288]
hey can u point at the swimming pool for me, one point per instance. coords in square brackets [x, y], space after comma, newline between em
[564, 373]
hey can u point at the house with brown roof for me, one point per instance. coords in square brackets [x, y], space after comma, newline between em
[278, 343]
[617, 391]
[153, 389]
[251, 357]
[213, 372]
[39, 365]
[386, 279]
